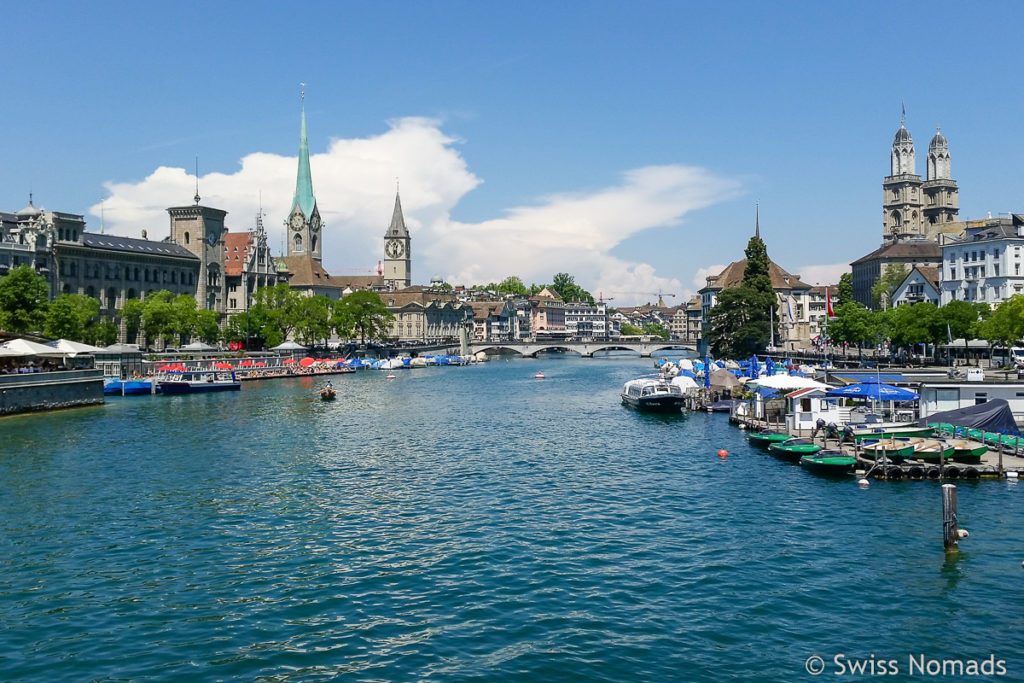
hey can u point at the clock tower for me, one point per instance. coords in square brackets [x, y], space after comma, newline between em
[397, 256]
[200, 229]
[303, 224]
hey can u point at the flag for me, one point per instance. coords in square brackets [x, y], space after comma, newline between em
[828, 304]
[789, 307]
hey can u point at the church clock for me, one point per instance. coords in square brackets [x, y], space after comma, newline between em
[393, 249]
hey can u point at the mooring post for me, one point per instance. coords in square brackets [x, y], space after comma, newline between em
[1000, 462]
[950, 534]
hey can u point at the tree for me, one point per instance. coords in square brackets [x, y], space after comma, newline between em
[24, 300]
[891, 278]
[1005, 327]
[70, 315]
[740, 323]
[844, 291]
[276, 310]
[313, 319]
[567, 288]
[103, 333]
[131, 313]
[655, 330]
[511, 285]
[158, 317]
[913, 325]
[630, 329]
[854, 324]
[207, 326]
[367, 314]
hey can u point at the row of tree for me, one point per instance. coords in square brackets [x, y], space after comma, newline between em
[276, 314]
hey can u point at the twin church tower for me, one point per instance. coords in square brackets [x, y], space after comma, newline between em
[305, 228]
[912, 207]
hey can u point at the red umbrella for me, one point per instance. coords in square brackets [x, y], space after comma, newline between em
[224, 366]
[246, 363]
[260, 364]
[290, 360]
[306, 362]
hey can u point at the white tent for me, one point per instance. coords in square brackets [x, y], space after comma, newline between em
[24, 347]
[73, 348]
[683, 382]
[288, 346]
[198, 346]
[685, 364]
[788, 382]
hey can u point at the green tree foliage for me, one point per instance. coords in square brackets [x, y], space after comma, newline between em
[103, 333]
[511, 285]
[913, 325]
[275, 310]
[365, 314]
[658, 331]
[844, 292]
[159, 320]
[891, 278]
[567, 288]
[24, 300]
[854, 324]
[71, 315]
[313, 319]
[131, 314]
[207, 326]
[740, 323]
[1005, 327]
[630, 329]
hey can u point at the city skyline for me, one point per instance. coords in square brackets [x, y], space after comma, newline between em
[626, 146]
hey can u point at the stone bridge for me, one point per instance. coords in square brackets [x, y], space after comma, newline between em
[587, 349]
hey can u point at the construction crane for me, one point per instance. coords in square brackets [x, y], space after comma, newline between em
[660, 294]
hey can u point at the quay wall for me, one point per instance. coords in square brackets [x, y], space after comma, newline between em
[50, 391]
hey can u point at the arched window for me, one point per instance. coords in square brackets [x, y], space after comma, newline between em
[897, 220]
[297, 242]
[188, 239]
[111, 298]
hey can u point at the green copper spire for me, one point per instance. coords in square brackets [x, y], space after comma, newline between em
[304, 182]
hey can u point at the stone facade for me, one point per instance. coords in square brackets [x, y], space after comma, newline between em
[912, 207]
[397, 251]
[985, 265]
[200, 230]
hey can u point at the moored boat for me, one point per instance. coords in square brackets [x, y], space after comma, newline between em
[767, 437]
[653, 394]
[829, 463]
[896, 450]
[128, 387]
[890, 430]
[932, 450]
[791, 450]
[968, 451]
[198, 381]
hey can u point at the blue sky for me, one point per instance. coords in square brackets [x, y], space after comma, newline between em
[625, 143]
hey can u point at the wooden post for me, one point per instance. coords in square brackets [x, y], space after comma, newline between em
[950, 535]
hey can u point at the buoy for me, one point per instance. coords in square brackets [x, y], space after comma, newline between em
[539, 375]
[391, 375]
[1011, 475]
[722, 453]
[863, 482]
[962, 533]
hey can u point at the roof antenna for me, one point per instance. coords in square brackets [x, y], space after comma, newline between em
[197, 181]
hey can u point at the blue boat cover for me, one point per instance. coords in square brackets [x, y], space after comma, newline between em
[993, 416]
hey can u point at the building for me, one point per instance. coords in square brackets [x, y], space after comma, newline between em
[910, 207]
[248, 266]
[547, 315]
[426, 315]
[302, 265]
[493, 321]
[397, 250]
[910, 253]
[584, 320]
[985, 265]
[200, 230]
[920, 286]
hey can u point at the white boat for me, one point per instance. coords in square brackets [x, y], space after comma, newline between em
[652, 393]
[198, 381]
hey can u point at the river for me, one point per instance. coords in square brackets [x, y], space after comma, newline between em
[475, 523]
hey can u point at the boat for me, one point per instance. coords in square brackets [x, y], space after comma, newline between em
[766, 437]
[198, 381]
[539, 375]
[791, 450]
[888, 430]
[328, 394]
[895, 450]
[128, 387]
[829, 463]
[654, 394]
[968, 451]
[932, 450]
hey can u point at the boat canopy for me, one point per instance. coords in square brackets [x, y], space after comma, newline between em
[993, 416]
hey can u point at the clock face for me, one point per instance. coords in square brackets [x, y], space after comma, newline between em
[393, 248]
[211, 236]
[314, 222]
[296, 221]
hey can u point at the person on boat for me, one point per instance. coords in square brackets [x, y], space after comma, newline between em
[328, 385]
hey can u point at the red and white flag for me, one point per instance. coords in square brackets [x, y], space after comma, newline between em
[828, 303]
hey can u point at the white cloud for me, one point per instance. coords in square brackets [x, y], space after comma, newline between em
[823, 274]
[700, 278]
[354, 183]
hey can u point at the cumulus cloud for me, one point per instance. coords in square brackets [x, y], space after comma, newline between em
[354, 182]
[823, 274]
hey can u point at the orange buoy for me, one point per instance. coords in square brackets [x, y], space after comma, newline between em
[391, 375]
[539, 375]
[722, 453]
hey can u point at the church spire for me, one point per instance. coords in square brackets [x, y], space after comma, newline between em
[304, 199]
[757, 220]
[397, 227]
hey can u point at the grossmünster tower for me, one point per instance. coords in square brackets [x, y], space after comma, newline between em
[303, 224]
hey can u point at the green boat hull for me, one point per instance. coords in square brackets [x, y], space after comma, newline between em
[765, 439]
[829, 464]
[893, 432]
[792, 452]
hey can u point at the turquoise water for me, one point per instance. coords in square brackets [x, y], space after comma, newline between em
[472, 524]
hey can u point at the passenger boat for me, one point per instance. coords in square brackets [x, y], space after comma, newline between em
[896, 450]
[968, 451]
[654, 394]
[829, 463]
[328, 394]
[791, 450]
[198, 381]
[767, 437]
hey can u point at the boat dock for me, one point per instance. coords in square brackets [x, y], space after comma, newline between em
[997, 463]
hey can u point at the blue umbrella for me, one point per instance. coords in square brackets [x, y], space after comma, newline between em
[707, 373]
[875, 391]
